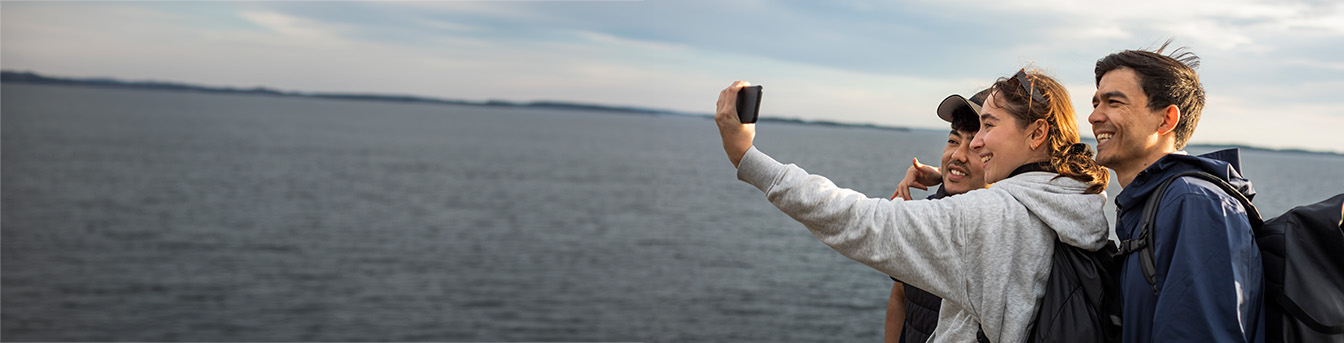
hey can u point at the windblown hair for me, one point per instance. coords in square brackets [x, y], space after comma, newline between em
[1068, 155]
[1166, 80]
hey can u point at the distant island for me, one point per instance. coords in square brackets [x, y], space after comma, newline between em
[34, 78]
[7, 76]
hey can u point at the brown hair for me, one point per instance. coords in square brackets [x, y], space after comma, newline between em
[1167, 80]
[1068, 156]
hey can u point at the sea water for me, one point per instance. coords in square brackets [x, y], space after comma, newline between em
[135, 215]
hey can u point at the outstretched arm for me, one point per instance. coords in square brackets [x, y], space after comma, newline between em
[919, 242]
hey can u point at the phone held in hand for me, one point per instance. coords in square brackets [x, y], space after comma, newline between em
[749, 104]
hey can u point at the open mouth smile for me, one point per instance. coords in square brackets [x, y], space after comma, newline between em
[1104, 137]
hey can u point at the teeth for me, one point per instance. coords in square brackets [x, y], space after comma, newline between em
[984, 159]
[957, 172]
[1104, 137]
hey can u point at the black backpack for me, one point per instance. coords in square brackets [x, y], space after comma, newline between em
[1302, 253]
[1081, 301]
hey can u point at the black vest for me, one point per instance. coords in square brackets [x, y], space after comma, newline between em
[921, 315]
[921, 308]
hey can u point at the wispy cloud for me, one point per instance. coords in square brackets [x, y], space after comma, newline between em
[298, 30]
[881, 62]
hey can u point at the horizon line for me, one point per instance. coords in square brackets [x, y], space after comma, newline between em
[29, 76]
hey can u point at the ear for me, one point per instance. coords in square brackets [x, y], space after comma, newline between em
[1039, 130]
[1170, 117]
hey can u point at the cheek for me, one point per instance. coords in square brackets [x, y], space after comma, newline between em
[972, 159]
[1128, 121]
[992, 141]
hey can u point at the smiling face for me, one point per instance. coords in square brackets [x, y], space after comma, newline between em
[962, 170]
[1127, 131]
[1004, 143]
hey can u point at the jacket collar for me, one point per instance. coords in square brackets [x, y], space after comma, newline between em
[1225, 164]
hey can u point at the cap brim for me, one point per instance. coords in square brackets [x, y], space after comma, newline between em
[955, 105]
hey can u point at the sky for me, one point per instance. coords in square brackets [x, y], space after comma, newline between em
[1272, 70]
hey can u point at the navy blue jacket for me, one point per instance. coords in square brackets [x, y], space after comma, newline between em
[1209, 276]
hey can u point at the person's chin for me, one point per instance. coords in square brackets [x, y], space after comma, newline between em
[990, 177]
[953, 188]
[1105, 158]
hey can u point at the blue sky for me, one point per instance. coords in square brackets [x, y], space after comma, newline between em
[1272, 70]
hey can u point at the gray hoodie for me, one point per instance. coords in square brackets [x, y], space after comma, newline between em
[986, 252]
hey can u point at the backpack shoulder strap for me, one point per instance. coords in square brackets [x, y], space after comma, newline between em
[1144, 242]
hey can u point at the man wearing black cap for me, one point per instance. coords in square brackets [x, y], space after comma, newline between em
[960, 173]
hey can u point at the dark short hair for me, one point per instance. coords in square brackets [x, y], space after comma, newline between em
[1166, 80]
[970, 122]
[966, 123]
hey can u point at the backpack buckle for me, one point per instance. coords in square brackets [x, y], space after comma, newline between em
[1130, 246]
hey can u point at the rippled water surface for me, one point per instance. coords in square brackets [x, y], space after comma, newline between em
[172, 216]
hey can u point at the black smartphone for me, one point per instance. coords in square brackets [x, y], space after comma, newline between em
[749, 104]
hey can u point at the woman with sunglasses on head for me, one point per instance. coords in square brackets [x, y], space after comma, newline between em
[987, 252]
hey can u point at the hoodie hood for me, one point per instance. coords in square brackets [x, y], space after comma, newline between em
[1225, 164]
[1060, 203]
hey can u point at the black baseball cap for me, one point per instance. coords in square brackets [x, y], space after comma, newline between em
[956, 106]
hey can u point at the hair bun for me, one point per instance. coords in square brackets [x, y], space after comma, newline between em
[1080, 149]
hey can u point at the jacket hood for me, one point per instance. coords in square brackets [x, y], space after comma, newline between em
[1078, 219]
[1225, 164]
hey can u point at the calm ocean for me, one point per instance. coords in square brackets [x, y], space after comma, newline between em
[132, 215]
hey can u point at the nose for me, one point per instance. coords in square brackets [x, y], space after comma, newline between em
[978, 142]
[962, 154]
[1096, 117]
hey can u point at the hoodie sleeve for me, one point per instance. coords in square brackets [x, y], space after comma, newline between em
[915, 241]
[1208, 268]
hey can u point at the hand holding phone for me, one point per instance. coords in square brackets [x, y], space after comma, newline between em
[737, 135]
[749, 104]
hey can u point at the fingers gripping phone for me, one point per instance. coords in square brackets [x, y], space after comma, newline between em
[749, 104]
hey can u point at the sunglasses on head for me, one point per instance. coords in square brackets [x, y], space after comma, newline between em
[1028, 86]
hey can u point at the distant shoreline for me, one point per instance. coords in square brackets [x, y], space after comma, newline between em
[30, 77]
[35, 78]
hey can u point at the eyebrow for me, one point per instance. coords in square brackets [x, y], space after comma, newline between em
[954, 132]
[987, 116]
[1111, 94]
